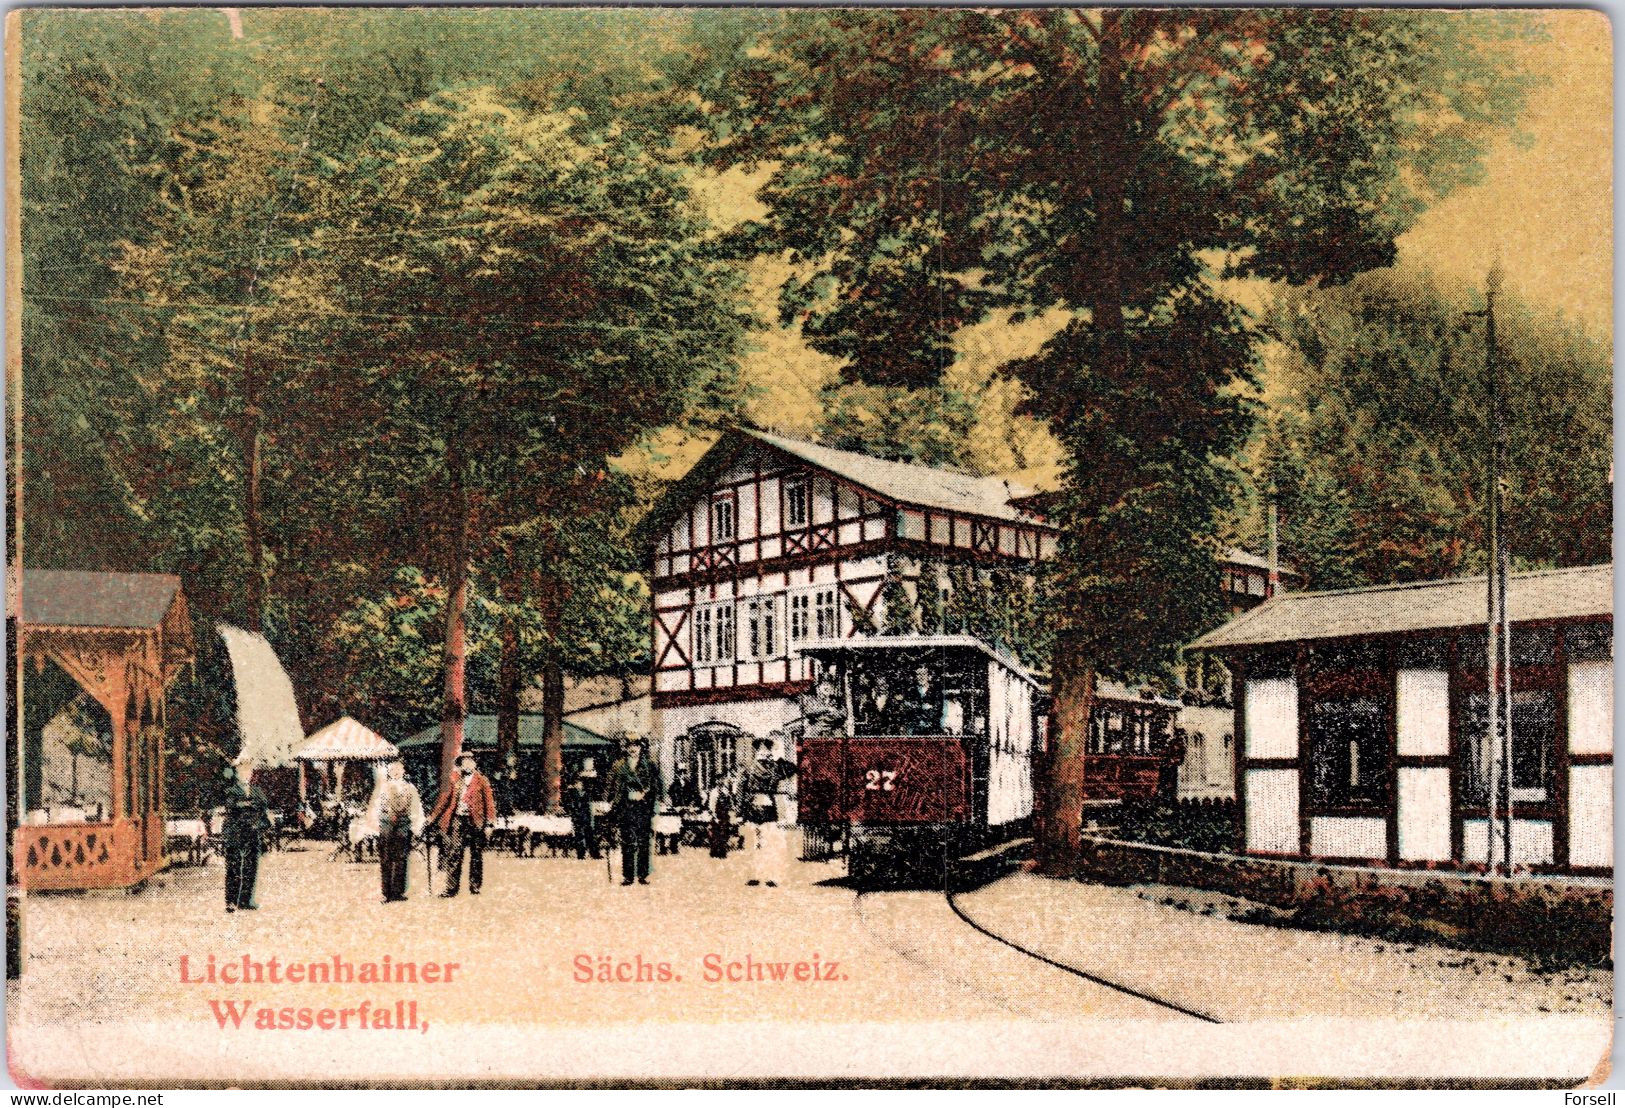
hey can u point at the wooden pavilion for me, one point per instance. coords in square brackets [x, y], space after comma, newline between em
[122, 638]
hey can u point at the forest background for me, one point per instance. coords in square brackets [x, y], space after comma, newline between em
[383, 328]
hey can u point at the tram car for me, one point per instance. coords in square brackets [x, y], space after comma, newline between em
[916, 748]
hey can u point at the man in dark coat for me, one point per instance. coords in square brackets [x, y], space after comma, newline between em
[462, 812]
[635, 790]
[578, 798]
[247, 826]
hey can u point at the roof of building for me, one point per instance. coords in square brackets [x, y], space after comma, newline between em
[1236, 556]
[911, 483]
[1420, 606]
[480, 732]
[346, 740]
[79, 598]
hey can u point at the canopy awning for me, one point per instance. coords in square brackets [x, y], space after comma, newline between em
[346, 740]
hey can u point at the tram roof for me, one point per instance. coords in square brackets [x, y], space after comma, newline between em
[922, 642]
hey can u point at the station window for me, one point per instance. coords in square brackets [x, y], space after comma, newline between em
[1347, 753]
[814, 614]
[1534, 740]
[714, 633]
[761, 639]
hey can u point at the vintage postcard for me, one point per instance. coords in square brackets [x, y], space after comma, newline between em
[822, 546]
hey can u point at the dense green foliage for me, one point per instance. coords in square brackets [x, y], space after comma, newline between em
[353, 314]
[1378, 448]
[212, 390]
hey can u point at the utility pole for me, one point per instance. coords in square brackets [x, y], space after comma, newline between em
[1498, 630]
[1274, 583]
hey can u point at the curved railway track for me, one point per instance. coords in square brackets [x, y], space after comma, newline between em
[912, 954]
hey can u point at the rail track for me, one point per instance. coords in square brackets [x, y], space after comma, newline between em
[953, 878]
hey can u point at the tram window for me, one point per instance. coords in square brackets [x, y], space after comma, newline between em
[1347, 760]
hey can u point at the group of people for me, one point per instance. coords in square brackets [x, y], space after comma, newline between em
[465, 809]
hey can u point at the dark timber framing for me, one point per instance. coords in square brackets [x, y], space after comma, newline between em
[1466, 677]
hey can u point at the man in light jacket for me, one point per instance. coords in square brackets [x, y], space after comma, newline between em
[397, 813]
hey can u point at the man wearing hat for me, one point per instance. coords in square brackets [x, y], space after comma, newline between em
[760, 793]
[635, 790]
[397, 812]
[578, 798]
[463, 810]
[248, 823]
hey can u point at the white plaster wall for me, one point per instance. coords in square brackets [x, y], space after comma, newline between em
[1348, 837]
[1424, 813]
[1423, 712]
[1531, 841]
[1591, 707]
[1272, 718]
[1209, 768]
[1591, 815]
[1272, 811]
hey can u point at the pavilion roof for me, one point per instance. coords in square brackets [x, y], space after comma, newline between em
[80, 598]
[346, 740]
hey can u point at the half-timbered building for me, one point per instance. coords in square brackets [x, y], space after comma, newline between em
[771, 544]
[1363, 723]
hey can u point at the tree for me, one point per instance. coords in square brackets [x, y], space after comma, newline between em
[932, 167]
[1378, 437]
[566, 301]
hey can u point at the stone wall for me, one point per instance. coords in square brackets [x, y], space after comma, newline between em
[1551, 919]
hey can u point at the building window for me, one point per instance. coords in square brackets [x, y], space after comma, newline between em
[762, 627]
[722, 519]
[814, 614]
[795, 503]
[1347, 757]
[1534, 738]
[826, 616]
[713, 633]
[800, 616]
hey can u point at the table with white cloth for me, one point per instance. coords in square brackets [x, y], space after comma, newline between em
[524, 831]
[189, 837]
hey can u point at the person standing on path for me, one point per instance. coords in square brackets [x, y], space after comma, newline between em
[248, 822]
[578, 800]
[761, 799]
[463, 810]
[397, 812]
[635, 789]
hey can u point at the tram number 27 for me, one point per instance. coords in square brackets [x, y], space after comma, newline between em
[880, 780]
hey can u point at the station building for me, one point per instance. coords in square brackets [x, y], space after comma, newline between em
[1363, 717]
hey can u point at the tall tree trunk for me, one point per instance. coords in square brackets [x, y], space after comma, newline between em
[1059, 827]
[253, 527]
[508, 681]
[550, 604]
[552, 728]
[455, 653]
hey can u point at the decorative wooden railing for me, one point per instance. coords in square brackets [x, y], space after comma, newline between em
[87, 855]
